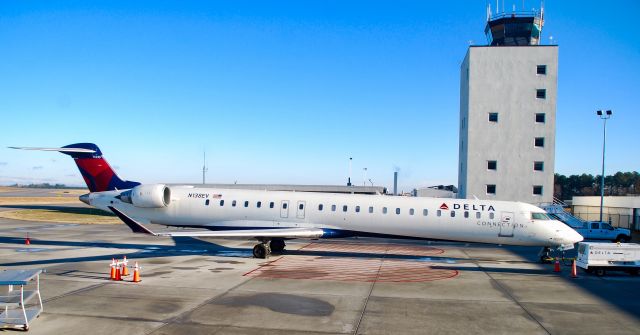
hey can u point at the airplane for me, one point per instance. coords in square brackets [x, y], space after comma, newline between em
[272, 217]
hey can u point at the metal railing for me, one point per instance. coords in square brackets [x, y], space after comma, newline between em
[616, 220]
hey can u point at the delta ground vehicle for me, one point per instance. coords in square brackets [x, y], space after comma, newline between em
[599, 257]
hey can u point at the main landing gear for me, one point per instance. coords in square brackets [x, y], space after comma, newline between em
[266, 246]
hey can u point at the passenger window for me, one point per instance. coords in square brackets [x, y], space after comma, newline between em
[370, 209]
[320, 207]
[439, 213]
[344, 208]
[478, 215]
[595, 225]
[397, 210]
[221, 203]
[301, 206]
[206, 202]
[333, 208]
[411, 211]
[271, 205]
[384, 210]
[453, 214]
[357, 209]
[466, 214]
[246, 204]
[284, 205]
[491, 216]
[259, 204]
[425, 212]
[233, 203]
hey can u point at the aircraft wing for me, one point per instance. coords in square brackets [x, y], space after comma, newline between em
[276, 232]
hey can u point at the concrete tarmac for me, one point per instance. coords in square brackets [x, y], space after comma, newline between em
[350, 286]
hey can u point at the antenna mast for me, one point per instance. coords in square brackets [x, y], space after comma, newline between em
[204, 166]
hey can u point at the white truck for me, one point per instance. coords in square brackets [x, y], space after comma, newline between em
[590, 230]
[600, 257]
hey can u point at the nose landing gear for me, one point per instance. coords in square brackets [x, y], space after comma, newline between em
[545, 255]
[263, 250]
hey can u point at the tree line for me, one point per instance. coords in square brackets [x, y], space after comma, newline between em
[620, 184]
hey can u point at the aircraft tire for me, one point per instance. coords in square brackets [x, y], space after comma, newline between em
[277, 245]
[260, 251]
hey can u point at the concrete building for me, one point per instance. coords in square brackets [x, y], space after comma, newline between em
[440, 191]
[620, 211]
[299, 188]
[508, 95]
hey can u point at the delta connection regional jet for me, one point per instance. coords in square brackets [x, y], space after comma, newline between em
[271, 217]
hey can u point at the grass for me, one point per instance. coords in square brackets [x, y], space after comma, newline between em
[63, 214]
[37, 200]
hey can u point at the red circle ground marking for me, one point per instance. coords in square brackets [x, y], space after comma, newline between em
[355, 269]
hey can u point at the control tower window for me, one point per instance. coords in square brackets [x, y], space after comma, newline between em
[540, 117]
[538, 166]
[493, 117]
[492, 165]
[537, 190]
[541, 69]
[491, 189]
[539, 142]
[541, 93]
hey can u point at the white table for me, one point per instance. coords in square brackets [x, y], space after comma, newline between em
[15, 312]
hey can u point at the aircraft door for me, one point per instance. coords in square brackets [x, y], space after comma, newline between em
[300, 209]
[284, 209]
[507, 225]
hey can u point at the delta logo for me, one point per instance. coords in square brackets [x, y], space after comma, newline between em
[468, 207]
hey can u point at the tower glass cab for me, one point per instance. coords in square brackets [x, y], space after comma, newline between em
[515, 28]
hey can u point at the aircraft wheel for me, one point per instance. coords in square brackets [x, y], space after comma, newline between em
[260, 251]
[277, 245]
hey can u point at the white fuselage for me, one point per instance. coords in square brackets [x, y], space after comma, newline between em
[340, 215]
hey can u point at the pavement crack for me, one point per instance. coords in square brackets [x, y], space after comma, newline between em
[508, 294]
[366, 300]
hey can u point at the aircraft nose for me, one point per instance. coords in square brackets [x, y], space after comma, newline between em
[573, 236]
[568, 235]
[85, 198]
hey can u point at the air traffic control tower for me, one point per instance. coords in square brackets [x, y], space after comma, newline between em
[508, 92]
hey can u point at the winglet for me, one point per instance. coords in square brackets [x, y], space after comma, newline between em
[131, 223]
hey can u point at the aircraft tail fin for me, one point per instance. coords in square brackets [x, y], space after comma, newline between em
[97, 173]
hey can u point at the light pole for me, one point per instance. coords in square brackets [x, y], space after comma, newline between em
[604, 115]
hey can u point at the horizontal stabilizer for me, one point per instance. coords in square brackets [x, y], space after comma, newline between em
[81, 150]
[137, 227]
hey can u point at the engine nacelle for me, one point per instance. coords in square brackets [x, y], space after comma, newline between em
[151, 196]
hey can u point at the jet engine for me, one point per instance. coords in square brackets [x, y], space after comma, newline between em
[147, 196]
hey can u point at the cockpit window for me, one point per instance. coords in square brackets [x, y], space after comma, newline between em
[540, 216]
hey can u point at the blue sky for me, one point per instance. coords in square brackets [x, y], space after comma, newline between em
[287, 91]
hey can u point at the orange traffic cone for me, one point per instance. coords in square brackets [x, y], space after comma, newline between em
[574, 270]
[118, 272]
[136, 274]
[27, 241]
[113, 269]
[125, 269]
[556, 268]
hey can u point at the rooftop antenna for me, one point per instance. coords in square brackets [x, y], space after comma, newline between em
[349, 178]
[364, 176]
[204, 166]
